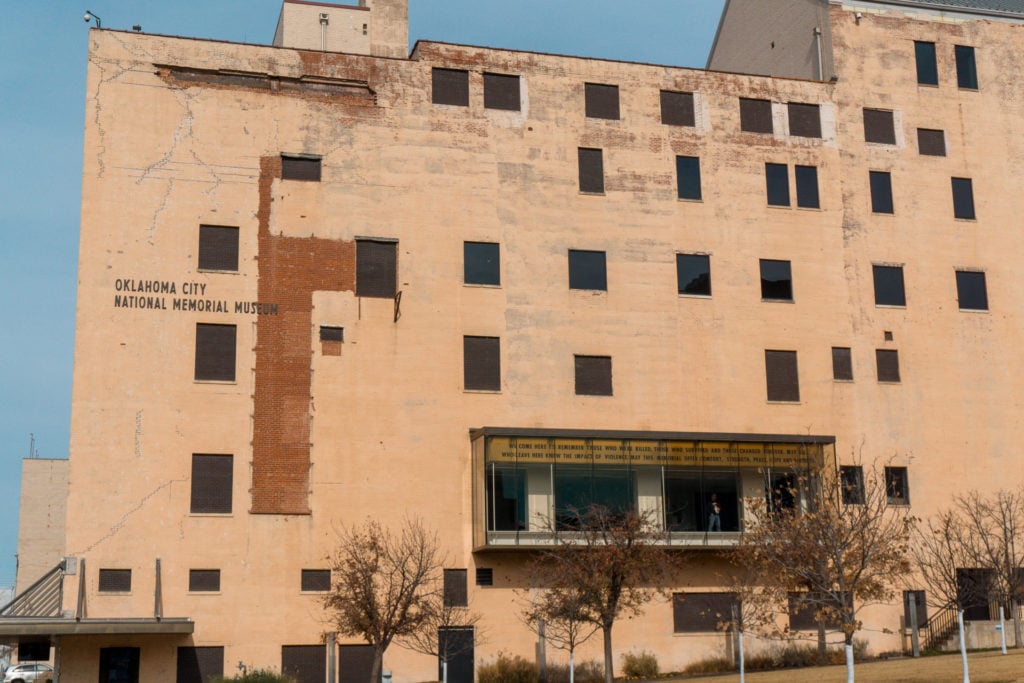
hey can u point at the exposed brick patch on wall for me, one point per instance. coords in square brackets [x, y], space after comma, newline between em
[290, 270]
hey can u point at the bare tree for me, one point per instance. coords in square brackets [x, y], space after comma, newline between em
[563, 617]
[435, 634]
[841, 552]
[384, 583]
[615, 562]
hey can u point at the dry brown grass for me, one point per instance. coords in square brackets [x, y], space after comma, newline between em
[985, 667]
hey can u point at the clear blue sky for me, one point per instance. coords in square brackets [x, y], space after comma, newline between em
[43, 50]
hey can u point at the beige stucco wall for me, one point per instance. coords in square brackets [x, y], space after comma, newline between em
[390, 419]
[41, 513]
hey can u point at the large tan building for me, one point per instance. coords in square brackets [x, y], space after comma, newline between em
[325, 280]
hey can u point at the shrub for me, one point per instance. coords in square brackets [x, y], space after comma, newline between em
[508, 669]
[586, 672]
[257, 676]
[762, 661]
[714, 665]
[642, 665]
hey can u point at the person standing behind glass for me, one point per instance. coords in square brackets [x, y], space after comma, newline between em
[715, 518]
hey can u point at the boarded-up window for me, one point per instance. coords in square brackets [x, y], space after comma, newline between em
[897, 486]
[677, 108]
[881, 191]
[804, 120]
[300, 168]
[756, 116]
[115, 580]
[889, 289]
[218, 247]
[927, 69]
[703, 612]
[776, 178]
[842, 363]
[450, 86]
[888, 362]
[332, 334]
[602, 101]
[204, 580]
[971, 291]
[484, 576]
[481, 263]
[693, 274]
[587, 270]
[803, 614]
[966, 68]
[879, 126]
[807, 187]
[355, 663]
[376, 268]
[593, 375]
[212, 478]
[776, 280]
[215, 352]
[316, 580]
[931, 142]
[688, 176]
[963, 198]
[455, 589]
[781, 375]
[920, 608]
[501, 92]
[851, 481]
[481, 358]
[199, 664]
[304, 663]
[591, 164]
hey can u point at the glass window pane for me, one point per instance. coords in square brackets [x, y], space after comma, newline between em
[777, 182]
[776, 280]
[688, 173]
[693, 274]
[889, 289]
[881, 192]
[807, 187]
[927, 71]
[587, 270]
[971, 290]
[966, 68]
[482, 263]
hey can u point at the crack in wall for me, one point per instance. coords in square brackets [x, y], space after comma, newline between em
[123, 521]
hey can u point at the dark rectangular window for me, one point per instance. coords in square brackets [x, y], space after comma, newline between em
[587, 270]
[888, 363]
[703, 612]
[355, 663]
[807, 187]
[897, 488]
[756, 116]
[115, 580]
[677, 108]
[804, 120]
[316, 580]
[593, 375]
[921, 605]
[376, 268]
[450, 86]
[300, 168]
[334, 334]
[851, 479]
[881, 191]
[931, 142]
[776, 177]
[304, 663]
[927, 69]
[879, 126]
[776, 280]
[591, 163]
[889, 290]
[481, 263]
[455, 589]
[803, 614]
[204, 580]
[963, 198]
[688, 174]
[212, 480]
[197, 664]
[218, 247]
[971, 291]
[693, 274]
[501, 92]
[602, 101]
[215, 352]
[842, 363]
[781, 375]
[966, 69]
[484, 576]
[481, 357]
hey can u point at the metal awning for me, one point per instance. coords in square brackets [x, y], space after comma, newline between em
[63, 626]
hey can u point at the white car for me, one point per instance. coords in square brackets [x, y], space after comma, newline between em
[29, 673]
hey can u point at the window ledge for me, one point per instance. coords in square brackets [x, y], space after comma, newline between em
[890, 382]
[592, 194]
[217, 271]
[226, 382]
[211, 514]
[112, 593]
[783, 403]
[596, 395]
[779, 206]
[965, 220]
[962, 89]
[898, 306]
[481, 391]
[883, 213]
[690, 200]
[684, 295]
[809, 208]
[204, 592]
[974, 310]
[842, 381]
[777, 301]
[480, 285]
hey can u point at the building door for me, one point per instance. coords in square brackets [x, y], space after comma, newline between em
[974, 586]
[458, 644]
[119, 665]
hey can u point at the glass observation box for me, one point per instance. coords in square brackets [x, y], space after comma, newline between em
[531, 485]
